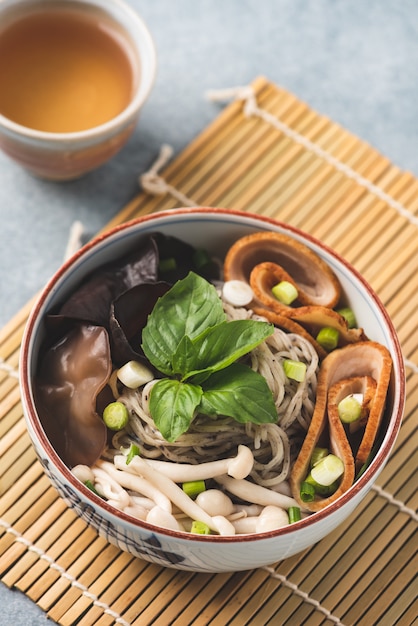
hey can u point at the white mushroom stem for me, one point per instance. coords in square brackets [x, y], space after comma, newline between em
[111, 489]
[142, 501]
[131, 508]
[247, 510]
[257, 494]
[215, 502]
[270, 518]
[136, 483]
[245, 525]
[239, 467]
[136, 511]
[283, 488]
[83, 473]
[162, 518]
[176, 495]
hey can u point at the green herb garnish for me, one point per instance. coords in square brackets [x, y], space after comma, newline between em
[189, 339]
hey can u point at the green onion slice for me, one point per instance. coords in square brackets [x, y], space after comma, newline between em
[327, 470]
[133, 452]
[328, 338]
[348, 315]
[201, 258]
[294, 514]
[200, 528]
[285, 292]
[116, 415]
[92, 488]
[194, 487]
[134, 374]
[349, 408]
[296, 370]
[307, 492]
[318, 454]
[322, 490]
[167, 265]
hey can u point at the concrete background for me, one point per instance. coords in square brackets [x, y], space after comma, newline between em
[351, 60]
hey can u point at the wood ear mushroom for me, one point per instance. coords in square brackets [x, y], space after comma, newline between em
[365, 367]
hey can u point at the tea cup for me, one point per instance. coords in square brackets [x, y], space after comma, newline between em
[67, 152]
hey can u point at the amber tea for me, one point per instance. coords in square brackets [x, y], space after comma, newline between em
[63, 71]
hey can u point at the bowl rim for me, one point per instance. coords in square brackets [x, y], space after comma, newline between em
[364, 482]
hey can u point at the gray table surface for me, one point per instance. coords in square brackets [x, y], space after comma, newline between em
[351, 60]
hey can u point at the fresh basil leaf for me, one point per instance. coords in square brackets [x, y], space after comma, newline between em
[185, 354]
[224, 344]
[189, 308]
[172, 406]
[240, 393]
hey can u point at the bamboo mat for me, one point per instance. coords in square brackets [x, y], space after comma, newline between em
[274, 156]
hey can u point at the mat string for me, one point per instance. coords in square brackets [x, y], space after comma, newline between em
[18, 537]
[302, 594]
[31, 547]
[398, 503]
[74, 242]
[250, 108]
[9, 369]
[154, 184]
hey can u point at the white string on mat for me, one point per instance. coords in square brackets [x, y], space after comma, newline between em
[31, 547]
[398, 503]
[18, 537]
[302, 594]
[74, 242]
[9, 369]
[250, 108]
[411, 365]
[156, 185]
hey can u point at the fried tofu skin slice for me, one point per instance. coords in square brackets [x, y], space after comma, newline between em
[353, 361]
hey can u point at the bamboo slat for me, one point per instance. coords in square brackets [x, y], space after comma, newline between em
[311, 173]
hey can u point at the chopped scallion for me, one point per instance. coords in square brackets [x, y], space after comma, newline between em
[348, 315]
[200, 258]
[318, 454]
[200, 528]
[296, 370]
[328, 338]
[285, 292]
[237, 292]
[307, 492]
[193, 488]
[92, 488]
[133, 452]
[294, 514]
[134, 374]
[116, 415]
[349, 408]
[167, 265]
[327, 470]
[322, 490]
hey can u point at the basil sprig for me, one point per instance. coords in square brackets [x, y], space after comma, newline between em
[189, 339]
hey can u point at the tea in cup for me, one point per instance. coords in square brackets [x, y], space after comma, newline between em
[74, 75]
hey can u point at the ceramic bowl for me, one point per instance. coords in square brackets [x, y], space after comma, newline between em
[215, 229]
[66, 156]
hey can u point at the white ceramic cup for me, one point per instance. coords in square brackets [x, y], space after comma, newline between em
[65, 156]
